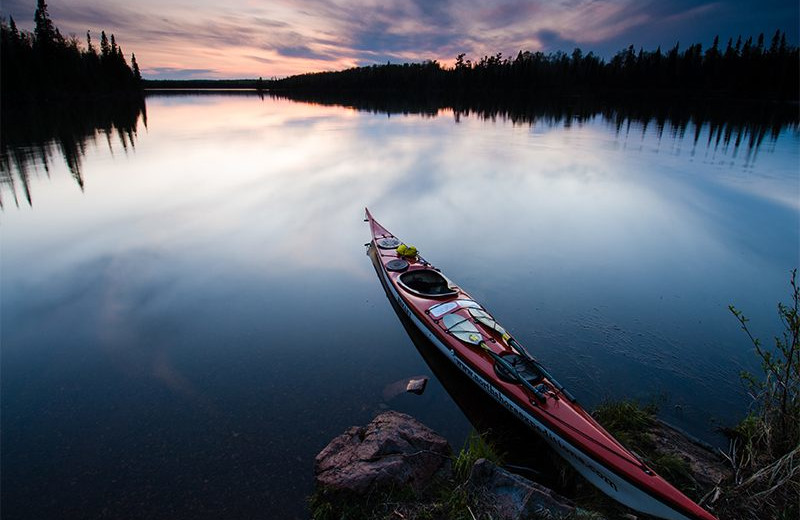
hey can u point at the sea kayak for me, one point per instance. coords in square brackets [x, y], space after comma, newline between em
[469, 336]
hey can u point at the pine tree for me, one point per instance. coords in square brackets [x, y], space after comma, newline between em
[14, 30]
[89, 45]
[44, 30]
[136, 74]
[105, 48]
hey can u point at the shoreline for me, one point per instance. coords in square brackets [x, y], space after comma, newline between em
[354, 476]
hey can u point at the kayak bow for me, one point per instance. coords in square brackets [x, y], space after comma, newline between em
[472, 339]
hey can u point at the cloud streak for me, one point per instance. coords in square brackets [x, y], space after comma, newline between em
[245, 38]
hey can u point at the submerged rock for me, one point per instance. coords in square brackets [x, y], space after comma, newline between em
[393, 451]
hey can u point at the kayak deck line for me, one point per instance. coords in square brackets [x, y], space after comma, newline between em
[475, 343]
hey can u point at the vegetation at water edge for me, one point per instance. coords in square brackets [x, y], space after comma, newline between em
[632, 423]
[765, 446]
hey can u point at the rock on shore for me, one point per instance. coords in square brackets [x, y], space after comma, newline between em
[393, 451]
[512, 497]
[706, 465]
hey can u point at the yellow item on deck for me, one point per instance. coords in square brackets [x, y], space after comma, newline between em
[407, 251]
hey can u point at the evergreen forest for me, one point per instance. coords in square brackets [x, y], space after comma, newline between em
[742, 69]
[46, 65]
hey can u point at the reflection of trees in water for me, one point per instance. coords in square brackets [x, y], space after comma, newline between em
[716, 126]
[34, 133]
[729, 124]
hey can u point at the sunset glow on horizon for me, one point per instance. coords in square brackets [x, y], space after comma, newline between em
[183, 39]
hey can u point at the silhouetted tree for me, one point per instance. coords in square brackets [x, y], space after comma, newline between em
[44, 30]
[136, 73]
[89, 46]
[13, 29]
[105, 47]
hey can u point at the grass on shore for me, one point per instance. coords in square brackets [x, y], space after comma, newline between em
[631, 423]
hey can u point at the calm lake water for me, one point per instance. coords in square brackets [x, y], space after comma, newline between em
[189, 316]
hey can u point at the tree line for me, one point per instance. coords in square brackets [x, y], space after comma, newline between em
[44, 64]
[207, 84]
[743, 68]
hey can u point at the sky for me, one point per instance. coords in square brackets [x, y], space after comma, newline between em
[192, 39]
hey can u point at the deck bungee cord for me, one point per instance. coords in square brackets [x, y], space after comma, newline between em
[540, 395]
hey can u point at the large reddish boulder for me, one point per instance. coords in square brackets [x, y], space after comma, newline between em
[394, 450]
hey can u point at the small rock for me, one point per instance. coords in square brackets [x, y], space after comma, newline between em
[417, 386]
[392, 390]
[392, 451]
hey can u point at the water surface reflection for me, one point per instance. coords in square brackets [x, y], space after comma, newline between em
[183, 335]
[37, 133]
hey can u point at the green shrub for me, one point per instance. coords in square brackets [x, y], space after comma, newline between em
[765, 446]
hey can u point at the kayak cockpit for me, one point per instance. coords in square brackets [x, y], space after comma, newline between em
[524, 368]
[427, 283]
